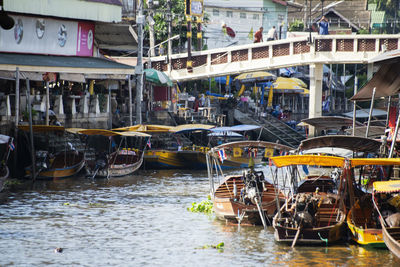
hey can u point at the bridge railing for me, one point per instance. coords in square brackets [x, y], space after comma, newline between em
[208, 61]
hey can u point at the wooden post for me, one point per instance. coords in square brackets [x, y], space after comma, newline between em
[387, 111]
[47, 103]
[130, 98]
[370, 112]
[16, 97]
[110, 112]
[28, 99]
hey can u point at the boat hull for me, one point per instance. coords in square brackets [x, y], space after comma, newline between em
[371, 237]
[59, 170]
[163, 159]
[391, 236]
[4, 173]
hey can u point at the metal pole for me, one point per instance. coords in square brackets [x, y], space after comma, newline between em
[189, 65]
[355, 105]
[110, 112]
[309, 23]
[139, 66]
[151, 33]
[394, 137]
[28, 99]
[47, 103]
[16, 96]
[370, 112]
[388, 110]
[130, 98]
[169, 16]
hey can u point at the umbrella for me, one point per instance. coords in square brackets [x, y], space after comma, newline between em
[289, 85]
[254, 77]
[157, 77]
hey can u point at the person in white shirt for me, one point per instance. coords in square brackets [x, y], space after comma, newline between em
[272, 35]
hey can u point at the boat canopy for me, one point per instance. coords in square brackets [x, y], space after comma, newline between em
[150, 128]
[353, 143]
[42, 128]
[111, 133]
[260, 144]
[236, 128]
[330, 151]
[191, 127]
[330, 122]
[227, 133]
[374, 161]
[386, 186]
[312, 160]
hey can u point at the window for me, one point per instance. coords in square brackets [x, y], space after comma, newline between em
[256, 16]
[229, 14]
[215, 12]
[243, 15]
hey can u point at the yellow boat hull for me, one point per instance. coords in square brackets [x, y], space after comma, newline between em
[162, 159]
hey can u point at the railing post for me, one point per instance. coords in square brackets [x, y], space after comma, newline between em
[250, 54]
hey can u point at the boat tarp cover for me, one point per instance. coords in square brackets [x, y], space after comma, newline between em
[374, 161]
[312, 160]
[151, 128]
[191, 127]
[111, 133]
[353, 143]
[386, 186]
[386, 81]
[42, 128]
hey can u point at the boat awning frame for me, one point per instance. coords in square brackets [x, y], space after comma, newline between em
[87, 67]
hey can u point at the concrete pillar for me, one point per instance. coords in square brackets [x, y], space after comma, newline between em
[73, 106]
[58, 105]
[5, 108]
[370, 70]
[315, 102]
[94, 105]
[84, 104]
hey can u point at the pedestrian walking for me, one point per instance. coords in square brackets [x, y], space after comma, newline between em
[272, 35]
[258, 36]
[323, 26]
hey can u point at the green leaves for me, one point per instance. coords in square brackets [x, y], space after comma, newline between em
[219, 247]
[204, 206]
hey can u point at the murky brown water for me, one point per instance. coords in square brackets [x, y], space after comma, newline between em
[142, 220]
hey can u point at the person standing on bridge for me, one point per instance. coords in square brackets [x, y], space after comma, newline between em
[323, 26]
[258, 36]
[272, 35]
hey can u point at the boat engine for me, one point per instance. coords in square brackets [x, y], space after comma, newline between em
[253, 187]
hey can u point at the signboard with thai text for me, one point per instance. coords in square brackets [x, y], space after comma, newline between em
[48, 36]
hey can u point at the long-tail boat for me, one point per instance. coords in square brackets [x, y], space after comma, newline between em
[55, 154]
[314, 212]
[249, 198]
[385, 196]
[162, 152]
[116, 154]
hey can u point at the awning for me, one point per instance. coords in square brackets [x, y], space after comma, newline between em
[386, 186]
[312, 160]
[386, 81]
[373, 131]
[364, 113]
[69, 67]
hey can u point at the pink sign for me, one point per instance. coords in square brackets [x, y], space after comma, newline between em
[85, 39]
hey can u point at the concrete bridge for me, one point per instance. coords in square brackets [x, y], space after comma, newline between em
[323, 49]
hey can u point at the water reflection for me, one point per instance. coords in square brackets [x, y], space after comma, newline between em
[143, 220]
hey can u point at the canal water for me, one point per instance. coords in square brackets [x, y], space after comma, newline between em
[142, 220]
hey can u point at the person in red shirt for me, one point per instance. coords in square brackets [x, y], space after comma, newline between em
[258, 36]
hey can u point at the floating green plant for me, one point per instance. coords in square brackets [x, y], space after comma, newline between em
[219, 247]
[204, 206]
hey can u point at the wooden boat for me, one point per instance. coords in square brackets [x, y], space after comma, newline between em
[385, 197]
[115, 153]
[245, 199]
[363, 227]
[6, 142]
[313, 212]
[162, 152]
[55, 155]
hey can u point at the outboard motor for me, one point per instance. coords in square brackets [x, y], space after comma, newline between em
[253, 186]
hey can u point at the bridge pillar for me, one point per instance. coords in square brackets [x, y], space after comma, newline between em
[370, 71]
[315, 102]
